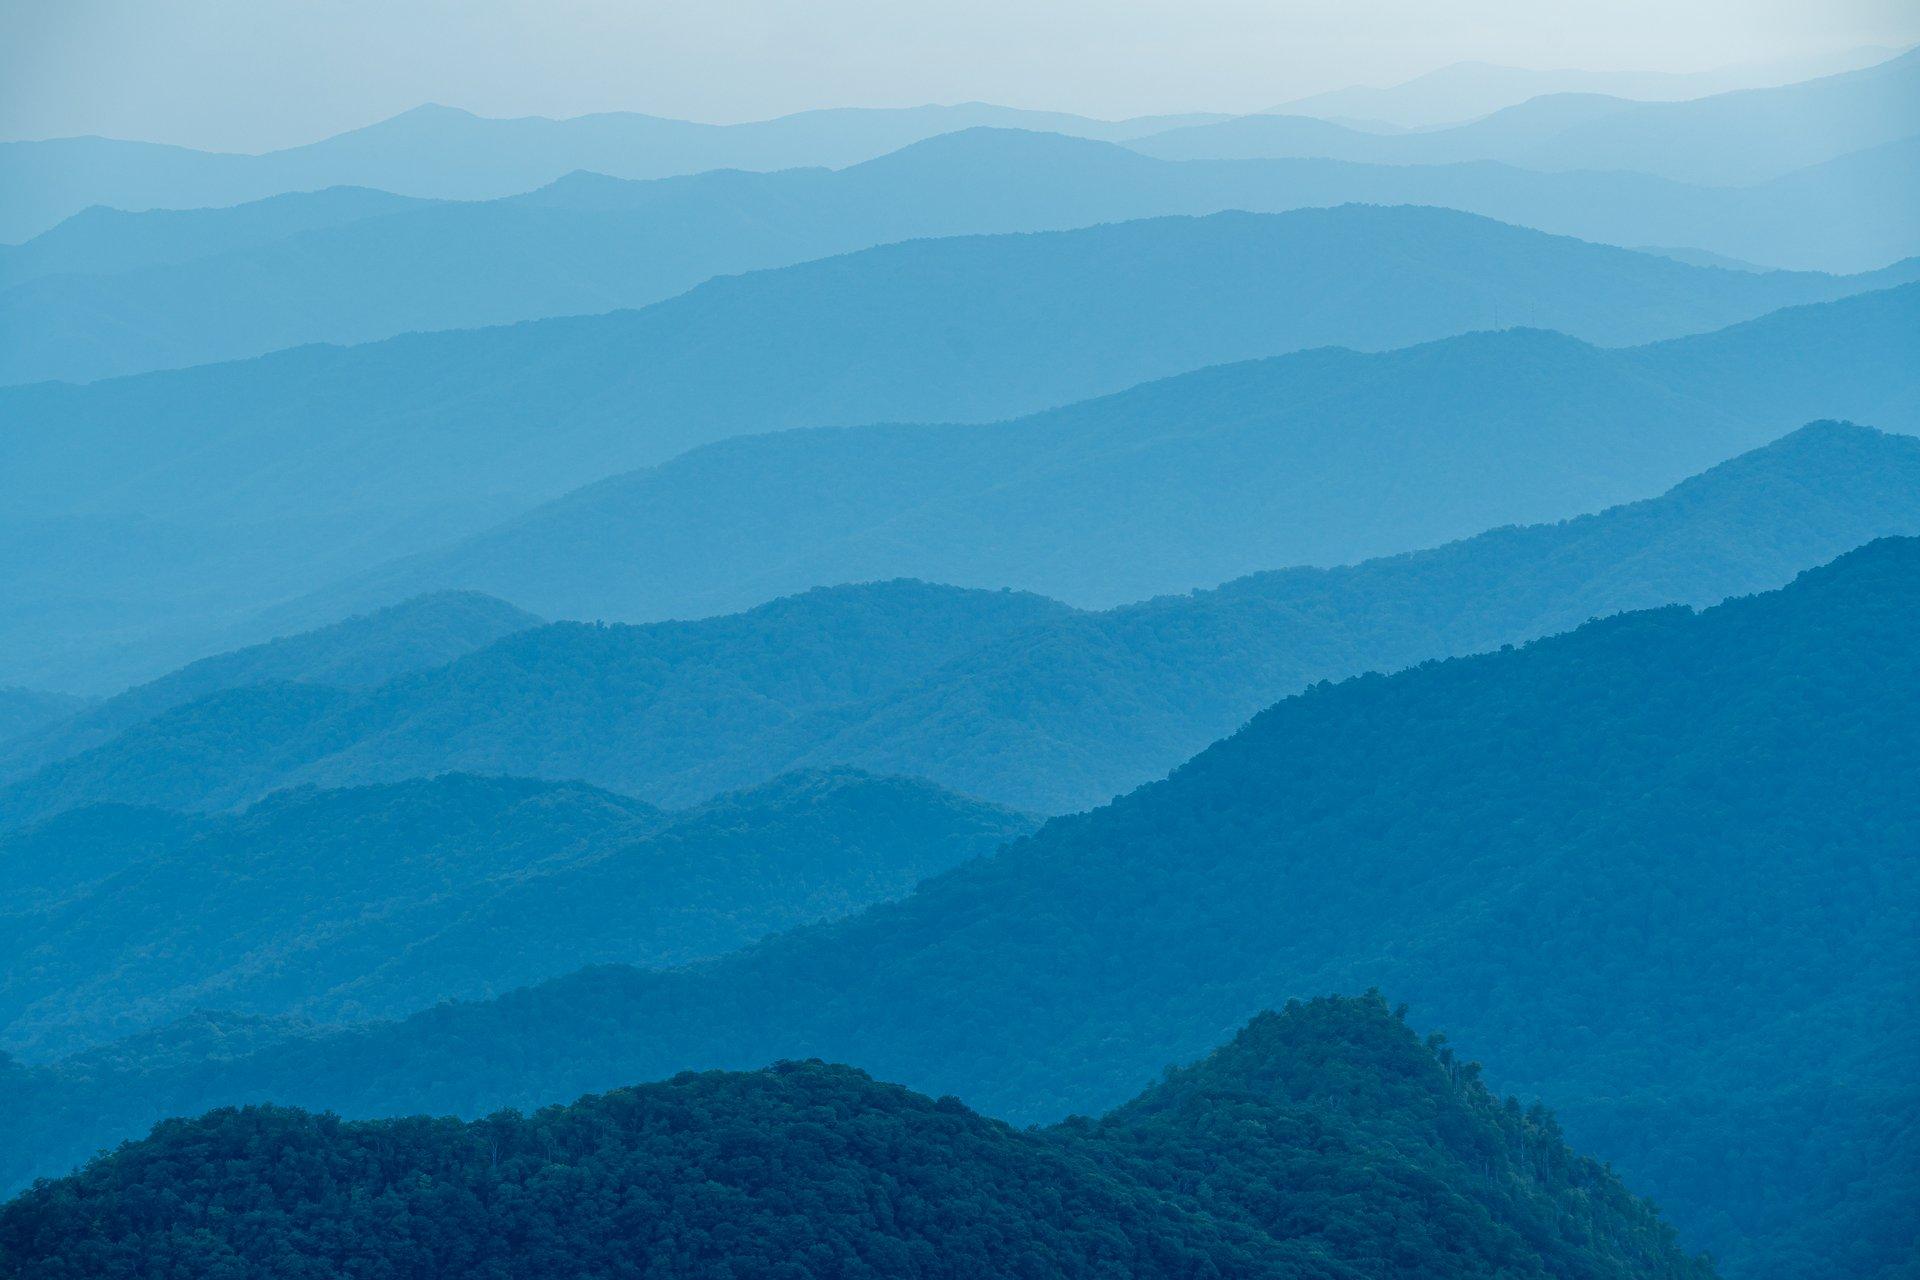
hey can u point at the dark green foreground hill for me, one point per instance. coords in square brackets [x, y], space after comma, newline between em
[1325, 1142]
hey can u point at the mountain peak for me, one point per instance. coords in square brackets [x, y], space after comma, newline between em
[1334, 1052]
[1886, 568]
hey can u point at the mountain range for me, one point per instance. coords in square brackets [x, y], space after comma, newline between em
[442, 152]
[192, 498]
[1464, 91]
[515, 625]
[1725, 139]
[1564, 851]
[1004, 696]
[1358, 1151]
[109, 293]
[1318, 458]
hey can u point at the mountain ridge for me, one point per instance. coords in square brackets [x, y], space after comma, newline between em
[1477, 881]
[1052, 710]
[1189, 481]
[1388, 1152]
[311, 464]
[591, 244]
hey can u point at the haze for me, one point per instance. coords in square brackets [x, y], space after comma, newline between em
[256, 74]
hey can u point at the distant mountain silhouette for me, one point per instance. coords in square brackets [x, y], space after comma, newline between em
[1324, 457]
[108, 293]
[1742, 137]
[1374, 1154]
[1512, 134]
[187, 500]
[341, 905]
[101, 241]
[1565, 851]
[443, 152]
[1466, 91]
[1049, 710]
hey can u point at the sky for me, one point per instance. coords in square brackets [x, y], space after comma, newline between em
[251, 75]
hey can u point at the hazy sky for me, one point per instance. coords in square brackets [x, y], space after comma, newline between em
[254, 74]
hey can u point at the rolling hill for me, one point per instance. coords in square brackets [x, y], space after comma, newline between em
[1050, 710]
[184, 501]
[343, 905]
[110, 293]
[1375, 1154]
[1564, 851]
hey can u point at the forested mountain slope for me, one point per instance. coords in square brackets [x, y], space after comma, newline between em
[1098, 703]
[1324, 1142]
[342, 905]
[1565, 851]
[1054, 711]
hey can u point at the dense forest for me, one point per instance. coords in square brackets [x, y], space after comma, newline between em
[993, 694]
[1562, 852]
[1325, 1142]
[377, 901]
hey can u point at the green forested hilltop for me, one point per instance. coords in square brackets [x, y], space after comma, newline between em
[1323, 1143]
[1565, 853]
[378, 901]
[1004, 696]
